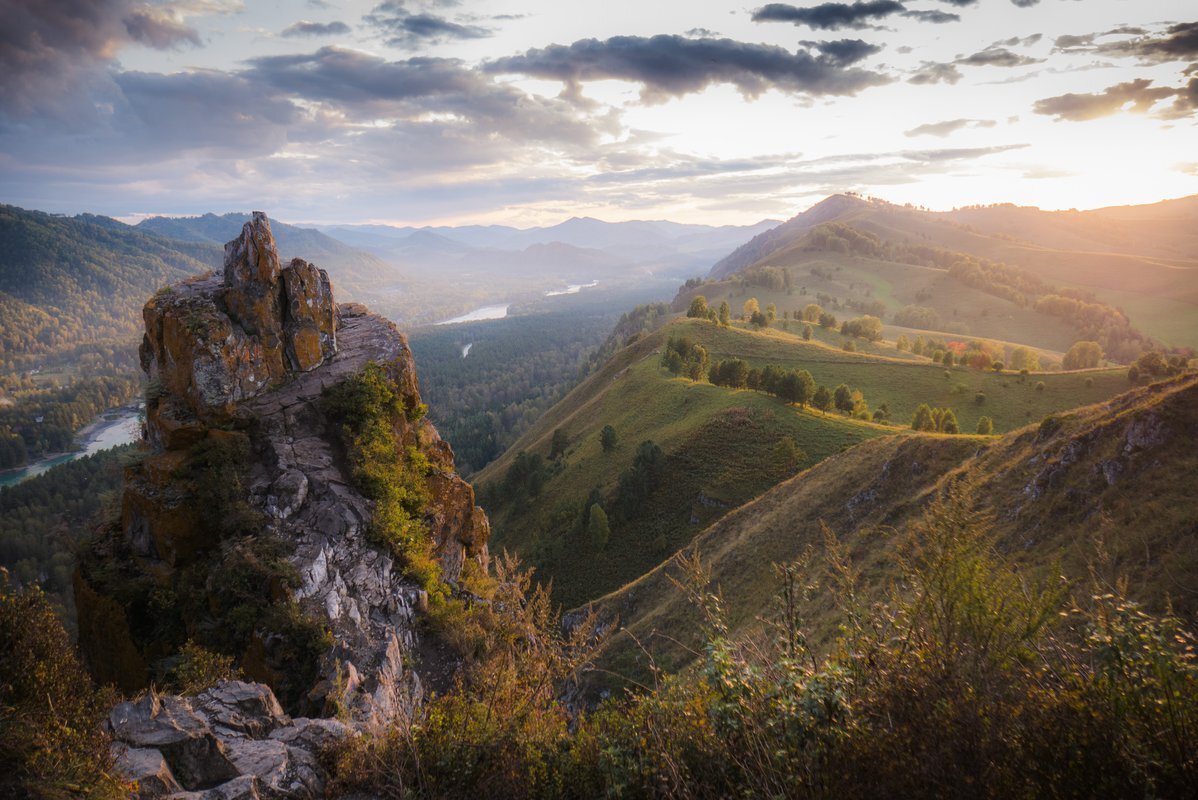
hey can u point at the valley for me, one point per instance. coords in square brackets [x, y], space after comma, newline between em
[665, 461]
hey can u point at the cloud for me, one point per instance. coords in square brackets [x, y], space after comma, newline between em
[844, 52]
[829, 16]
[306, 28]
[1178, 42]
[671, 66]
[425, 94]
[948, 127]
[1082, 107]
[151, 26]
[934, 17]
[54, 54]
[997, 56]
[403, 28]
[931, 72]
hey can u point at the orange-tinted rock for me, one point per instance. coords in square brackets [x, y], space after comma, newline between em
[215, 341]
[309, 318]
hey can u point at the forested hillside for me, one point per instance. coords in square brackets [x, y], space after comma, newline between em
[65, 281]
[71, 293]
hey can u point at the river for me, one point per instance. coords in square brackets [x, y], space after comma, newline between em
[111, 429]
[486, 312]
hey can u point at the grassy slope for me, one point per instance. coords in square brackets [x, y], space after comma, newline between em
[1113, 480]
[1156, 285]
[719, 442]
[719, 446]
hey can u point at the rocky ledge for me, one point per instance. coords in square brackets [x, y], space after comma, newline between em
[230, 742]
[243, 360]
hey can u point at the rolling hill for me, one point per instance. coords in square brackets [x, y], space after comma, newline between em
[1143, 260]
[1099, 488]
[720, 447]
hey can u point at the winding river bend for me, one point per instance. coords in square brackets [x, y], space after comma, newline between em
[111, 429]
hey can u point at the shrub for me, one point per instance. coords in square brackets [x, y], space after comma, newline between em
[51, 741]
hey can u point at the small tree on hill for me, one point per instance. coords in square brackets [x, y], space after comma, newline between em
[948, 422]
[923, 421]
[698, 307]
[598, 528]
[751, 307]
[807, 333]
[843, 397]
[607, 438]
[822, 399]
[1083, 355]
[558, 445]
[948, 358]
[725, 315]
[985, 426]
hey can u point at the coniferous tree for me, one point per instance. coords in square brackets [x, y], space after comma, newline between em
[608, 438]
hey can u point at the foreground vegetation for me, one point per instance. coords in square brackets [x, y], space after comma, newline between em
[966, 680]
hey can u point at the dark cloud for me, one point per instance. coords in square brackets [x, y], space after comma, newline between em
[364, 86]
[1140, 93]
[306, 28]
[934, 17]
[55, 54]
[352, 78]
[1178, 42]
[829, 16]
[844, 52]
[671, 66]
[948, 127]
[931, 72]
[403, 28]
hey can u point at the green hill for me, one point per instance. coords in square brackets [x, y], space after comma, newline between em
[719, 447]
[1104, 487]
[1140, 259]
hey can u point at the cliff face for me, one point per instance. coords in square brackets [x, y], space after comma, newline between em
[242, 528]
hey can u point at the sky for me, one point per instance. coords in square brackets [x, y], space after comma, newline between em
[527, 112]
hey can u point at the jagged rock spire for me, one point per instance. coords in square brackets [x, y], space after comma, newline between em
[217, 341]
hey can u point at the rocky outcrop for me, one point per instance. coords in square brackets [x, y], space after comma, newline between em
[230, 741]
[242, 361]
[213, 342]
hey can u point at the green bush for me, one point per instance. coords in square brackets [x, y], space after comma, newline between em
[51, 741]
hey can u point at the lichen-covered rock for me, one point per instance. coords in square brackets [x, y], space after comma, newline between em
[215, 341]
[239, 365]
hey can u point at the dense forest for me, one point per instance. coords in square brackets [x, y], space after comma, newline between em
[487, 382]
[65, 281]
[43, 518]
[71, 293]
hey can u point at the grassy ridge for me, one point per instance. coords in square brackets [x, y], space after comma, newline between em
[720, 444]
[720, 452]
[905, 383]
[1099, 489]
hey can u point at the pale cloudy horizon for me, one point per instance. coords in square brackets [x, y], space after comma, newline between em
[527, 113]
